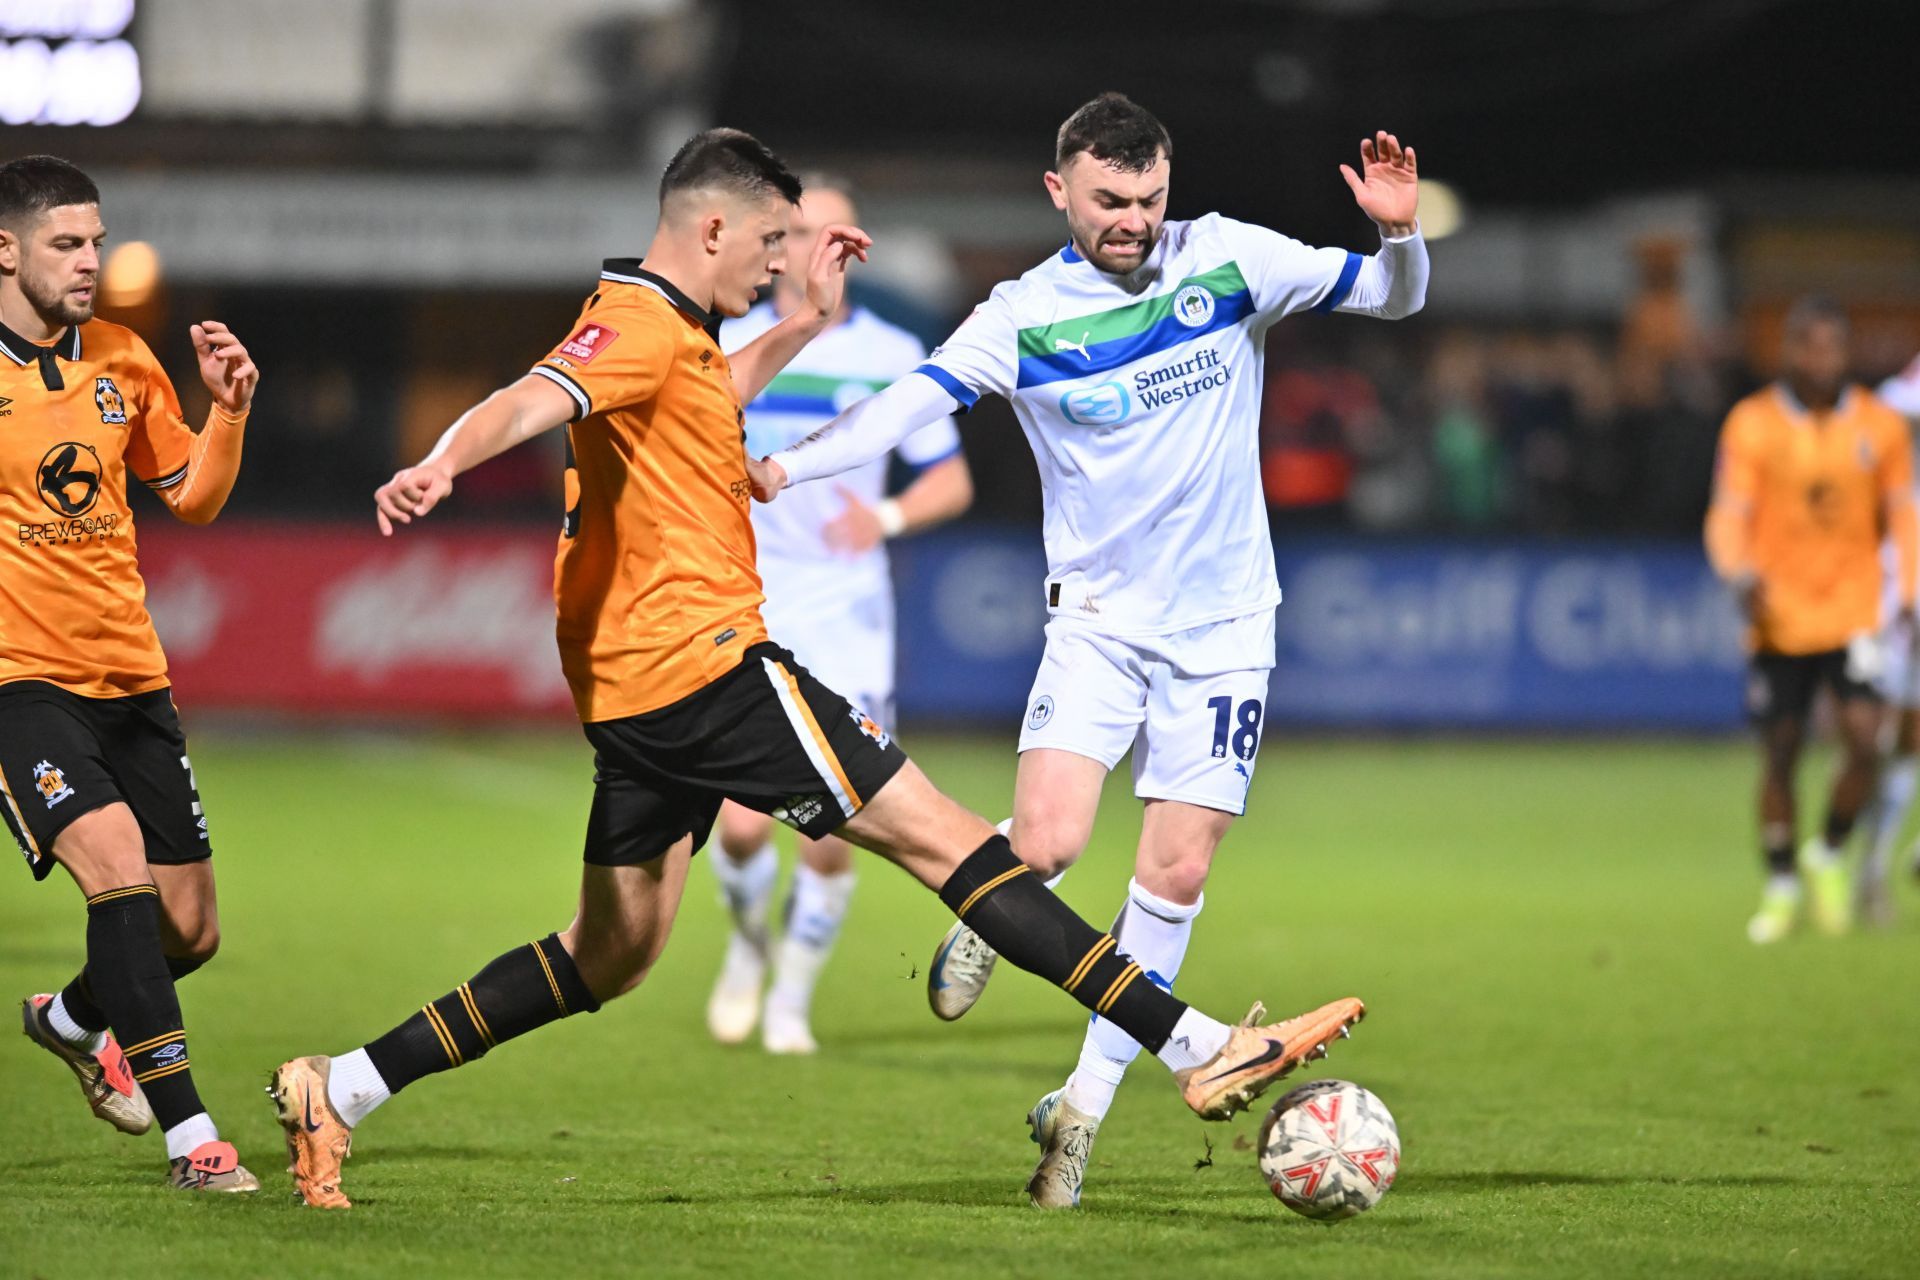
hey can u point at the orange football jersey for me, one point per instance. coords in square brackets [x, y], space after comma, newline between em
[1802, 502]
[655, 580]
[76, 419]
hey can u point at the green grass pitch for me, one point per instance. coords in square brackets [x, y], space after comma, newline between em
[1594, 1073]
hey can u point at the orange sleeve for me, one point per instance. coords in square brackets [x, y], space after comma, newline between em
[192, 472]
[1896, 493]
[615, 357]
[1736, 487]
[159, 442]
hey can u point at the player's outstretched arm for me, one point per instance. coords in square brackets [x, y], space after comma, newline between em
[504, 419]
[755, 364]
[858, 436]
[214, 461]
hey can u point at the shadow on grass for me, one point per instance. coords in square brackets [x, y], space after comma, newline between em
[1449, 1183]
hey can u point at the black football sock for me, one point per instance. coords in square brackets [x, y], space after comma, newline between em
[77, 996]
[128, 978]
[528, 987]
[1777, 848]
[1019, 917]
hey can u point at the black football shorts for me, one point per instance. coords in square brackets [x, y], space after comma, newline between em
[63, 755]
[766, 735]
[1783, 685]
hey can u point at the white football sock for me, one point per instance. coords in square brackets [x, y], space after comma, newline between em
[1195, 1040]
[184, 1138]
[355, 1087]
[747, 888]
[1817, 853]
[814, 914]
[73, 1033]
[1784, 882]
[1154, 933]
[1890, 808]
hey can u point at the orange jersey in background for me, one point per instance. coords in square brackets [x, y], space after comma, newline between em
[655, 580]
[1802, 503]
[72, 605]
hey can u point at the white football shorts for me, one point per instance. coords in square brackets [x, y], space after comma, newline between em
[1191, 706]
[847, 642]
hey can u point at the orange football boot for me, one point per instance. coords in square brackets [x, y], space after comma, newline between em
[1256, 1056]
[317, 1139]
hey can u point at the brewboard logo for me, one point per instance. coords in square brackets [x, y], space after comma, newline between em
[589, 342]
[113, 406]
[66, 485]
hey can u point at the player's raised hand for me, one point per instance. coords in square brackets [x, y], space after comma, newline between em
[413, 491]
[767, 477]
[856, 529]
[837, 246]
[1387, 188]
[225, 366]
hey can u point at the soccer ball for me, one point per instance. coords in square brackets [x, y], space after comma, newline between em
[1329, 1150]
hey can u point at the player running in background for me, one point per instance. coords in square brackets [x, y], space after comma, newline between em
[1133, 360]
[94, 774]
[1872, 899]
[1812, 474]
[686, 700]
[823, 563]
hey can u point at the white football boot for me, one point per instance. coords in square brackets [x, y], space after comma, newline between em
[959, 972]
[734, 1006]
[1065, 1135]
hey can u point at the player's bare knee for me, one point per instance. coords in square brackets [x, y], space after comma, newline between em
[1049, 844]
[744, 834]
[104, 850]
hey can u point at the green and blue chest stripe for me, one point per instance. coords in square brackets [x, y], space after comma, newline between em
[814, 398]
[1106, 340]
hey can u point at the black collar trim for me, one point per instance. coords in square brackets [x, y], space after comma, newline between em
[22, 352]
[629, 271]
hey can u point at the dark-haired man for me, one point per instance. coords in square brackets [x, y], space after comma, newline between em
[1811, 474]
[823, 563]
[1133, 360]
[686, 700]
[94, 774]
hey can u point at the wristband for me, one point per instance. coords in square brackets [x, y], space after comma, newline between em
[892, 519]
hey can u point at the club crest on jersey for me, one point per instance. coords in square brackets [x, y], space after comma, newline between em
[51, 783]
[869, 726]
[1101, 405]
[1193, 306]
[1041, 713]
[113, 406]
[589, 342]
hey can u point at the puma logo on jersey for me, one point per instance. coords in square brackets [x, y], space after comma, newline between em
[1061, 344]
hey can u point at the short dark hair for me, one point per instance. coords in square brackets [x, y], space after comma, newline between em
[1812, 309]
[32, 185]
[1115, 130]
[731, 160]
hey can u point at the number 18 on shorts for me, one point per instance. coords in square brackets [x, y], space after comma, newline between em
[1194, 737]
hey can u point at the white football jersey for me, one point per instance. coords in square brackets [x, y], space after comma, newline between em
[1140, 395]
[1901, 393]
[845, 364]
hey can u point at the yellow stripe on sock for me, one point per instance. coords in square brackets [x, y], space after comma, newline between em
[157, 1072]
[446, 1037]
[541, 954]
[165, 1037]
[473, 1014]
[1087, 962]
[1120, 984]
[114, 895]
[987, 888]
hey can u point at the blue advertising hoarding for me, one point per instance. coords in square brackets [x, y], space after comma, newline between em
[1377, 634]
